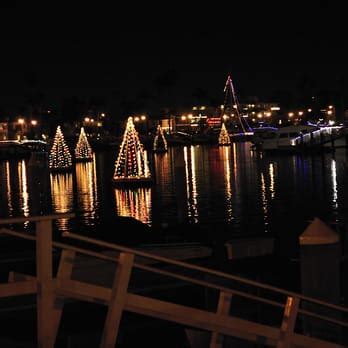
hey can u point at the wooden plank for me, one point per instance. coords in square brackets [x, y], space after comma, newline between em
[204, 270]
[17, 277]
[26, 287]
[170, 311]
[223, 308]
[187, 316]
[117, 300]
[65, 268]
[289, 321]
[45, 295]
[310, 342]
[202, 319]
[83, 291]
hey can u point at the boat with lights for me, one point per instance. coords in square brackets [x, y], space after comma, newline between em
[132, 167]
[232, 118]
[295, 138]
[13, 149]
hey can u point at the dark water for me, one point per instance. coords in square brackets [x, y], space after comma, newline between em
[229, 188]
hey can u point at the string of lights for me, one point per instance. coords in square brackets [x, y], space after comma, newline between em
[59, 157]
[83, 150]
[131, 164]
[224, 138]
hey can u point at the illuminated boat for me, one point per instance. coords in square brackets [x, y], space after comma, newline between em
[295, 138]
[131, 166]
[13, 149]
[224, 138]
[231, 113]
[132, 181]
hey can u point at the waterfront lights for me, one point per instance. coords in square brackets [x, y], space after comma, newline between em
[143, 117]
[183, 118]
[225, 117]
[87, 119]
[33, 122]
[290, 114]
[300, 113]
[136, 118]
[131, 164]
[83, 151]
[59, 157]
[21, 121]
[309, 110]
[329, 112]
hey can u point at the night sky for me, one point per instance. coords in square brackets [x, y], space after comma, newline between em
[172, 55]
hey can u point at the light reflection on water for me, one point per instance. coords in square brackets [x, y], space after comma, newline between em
[191, 183]
[8, 187]
[135, 203]
[209, 185]
[23, 188]
[62, 196]
[225, 156]
[87, 193]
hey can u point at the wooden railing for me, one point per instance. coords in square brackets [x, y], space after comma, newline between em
[52, 291]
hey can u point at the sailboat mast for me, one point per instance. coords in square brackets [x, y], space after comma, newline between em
[235, 103]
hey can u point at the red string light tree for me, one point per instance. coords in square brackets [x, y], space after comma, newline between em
[132, 166]
[59, 157]
[83, 151]
[224, 138]
[160, 142]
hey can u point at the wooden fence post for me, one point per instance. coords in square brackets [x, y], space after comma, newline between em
[289, 321]
[65, 269]
[45, 295]
[117, 300]
[224, 306]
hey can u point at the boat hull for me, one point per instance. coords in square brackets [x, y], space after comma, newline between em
[132, 182]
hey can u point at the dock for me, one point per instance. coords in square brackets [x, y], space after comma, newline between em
[54, 290]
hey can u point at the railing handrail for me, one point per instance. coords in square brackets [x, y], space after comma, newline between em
[177, 263]
[177, 276]
[147, 268]
[48, 287]
[203, 269]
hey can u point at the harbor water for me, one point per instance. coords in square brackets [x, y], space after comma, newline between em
[229, 189]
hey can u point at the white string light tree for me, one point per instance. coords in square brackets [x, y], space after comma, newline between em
[160, 142]
[131, 166]
[224, 138]
[83, 150]
[59, 157]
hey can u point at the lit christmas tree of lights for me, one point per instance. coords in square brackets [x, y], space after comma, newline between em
[160, 142]
[83, 150]
[59, 157]
[131, 163]
[224, 138]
